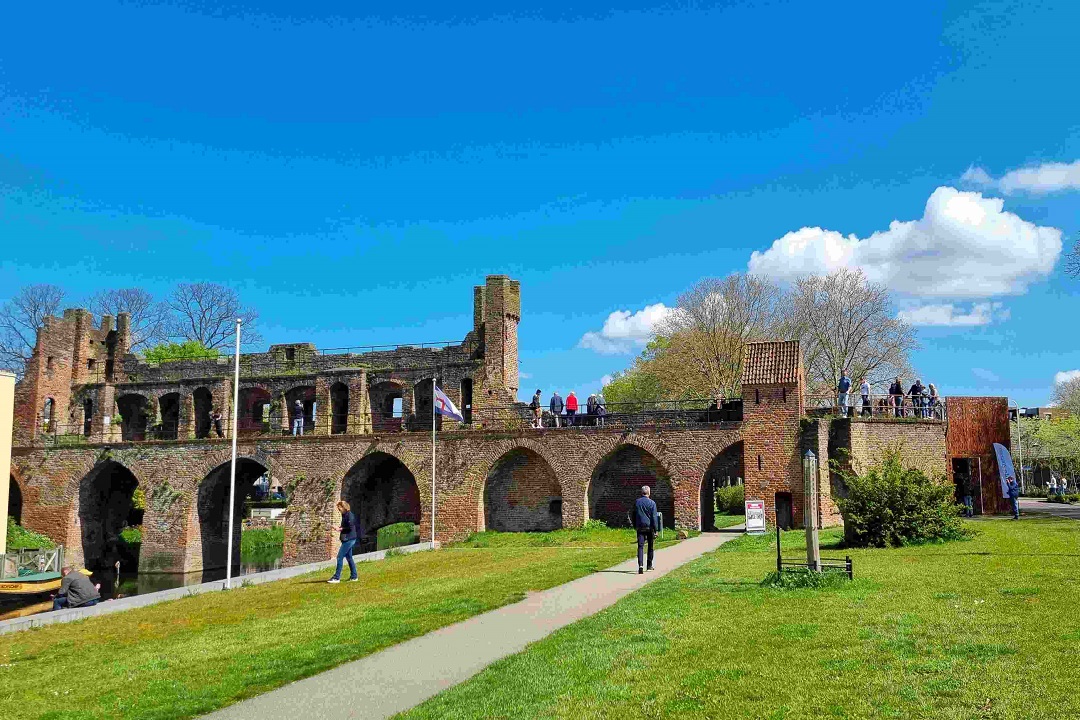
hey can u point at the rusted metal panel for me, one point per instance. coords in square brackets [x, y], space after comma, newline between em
[975, 424]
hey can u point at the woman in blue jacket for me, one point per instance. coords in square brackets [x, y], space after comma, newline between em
[349, 530]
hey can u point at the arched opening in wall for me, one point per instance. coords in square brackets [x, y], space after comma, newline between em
[15, 500]
[725, 470]
[48, 409]
[385, 399]
[616, 484]
[202, 404]
[522, 494]
[423, 399]
[253, 412]
[466, 400]
[133, 416]
[88, 416]
[339, 408]
[381, 492]
[107, 509]
[213, 509]
[170, 416]
[785, 515]
[305, 395]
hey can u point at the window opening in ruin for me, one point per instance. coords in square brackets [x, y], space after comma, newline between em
[88, 416]
[339, 408]
[783, 394]
[90, 363]
[757, 396]
[202, 404]
[466, 399]
[47, 414]
[170, 417]
[290, 354]
[49, 363]
[759, 462]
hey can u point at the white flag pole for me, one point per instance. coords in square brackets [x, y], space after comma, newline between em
[433, 387]
[232, 468]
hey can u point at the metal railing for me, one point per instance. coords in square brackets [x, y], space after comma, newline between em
[877, 407]
[21, 563]
[519, 416]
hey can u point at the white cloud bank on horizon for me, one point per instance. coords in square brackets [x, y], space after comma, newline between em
[1037, 179]
[952, 315]
[1066, 376]
[624, 331]
[964, 246]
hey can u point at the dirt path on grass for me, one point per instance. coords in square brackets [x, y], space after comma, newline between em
[405, 675]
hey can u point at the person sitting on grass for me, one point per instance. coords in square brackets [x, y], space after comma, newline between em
[349, 531]
[76, 590]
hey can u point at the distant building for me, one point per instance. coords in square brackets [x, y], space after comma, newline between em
[1042, 413]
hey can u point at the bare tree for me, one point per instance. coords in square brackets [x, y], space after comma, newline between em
[846, 322]
[20, 319]
[709, 326]
[1067, 395]
[149, 318]
[1072, 265]
[206, 313]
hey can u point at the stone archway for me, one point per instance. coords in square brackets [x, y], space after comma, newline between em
[522, 494]
[106, 507]
[725, 469]
[616, 483]
[213, 512]
[381, 491]
[15, 500]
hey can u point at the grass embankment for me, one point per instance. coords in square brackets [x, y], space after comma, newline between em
[187, 657]
[983, 628]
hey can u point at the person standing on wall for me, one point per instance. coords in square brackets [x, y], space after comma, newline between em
[842, 389]
[896, 396]
[571, 408]
[537, 410]
[601, 408]
[349, 530]
[215, 420]
[864, 391]
[556, 407]
[298, 418]
[1014, 496]
[646, 522]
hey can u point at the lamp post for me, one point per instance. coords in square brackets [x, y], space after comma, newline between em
[232, 466]
[810, 472]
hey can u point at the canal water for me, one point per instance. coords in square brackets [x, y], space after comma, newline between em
[260, 559]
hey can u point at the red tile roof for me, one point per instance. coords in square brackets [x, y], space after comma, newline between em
[771, 363]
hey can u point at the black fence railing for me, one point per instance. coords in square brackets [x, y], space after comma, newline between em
[672, 413]
[877, 407]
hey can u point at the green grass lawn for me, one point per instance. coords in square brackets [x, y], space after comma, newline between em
[186, 657]
[983, 628]
[723, 520]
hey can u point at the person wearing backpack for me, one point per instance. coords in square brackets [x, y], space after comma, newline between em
[556, 407]
[537, 411]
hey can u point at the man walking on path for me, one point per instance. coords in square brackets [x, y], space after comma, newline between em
[298, 418]
[842, 389]
[646, 522]
[1014, 496]
[571, 408]
[556, 407]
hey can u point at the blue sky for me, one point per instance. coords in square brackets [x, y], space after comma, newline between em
[353, 175]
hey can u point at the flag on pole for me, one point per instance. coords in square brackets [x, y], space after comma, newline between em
[445, 406]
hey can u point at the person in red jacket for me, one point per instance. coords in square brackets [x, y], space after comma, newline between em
[571, 408]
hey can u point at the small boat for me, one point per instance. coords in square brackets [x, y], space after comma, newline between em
[30, 572]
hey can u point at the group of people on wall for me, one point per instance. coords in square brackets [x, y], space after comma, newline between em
[565, 412]
[918, 401]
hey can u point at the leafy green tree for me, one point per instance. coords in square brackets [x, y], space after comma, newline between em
[187, 350]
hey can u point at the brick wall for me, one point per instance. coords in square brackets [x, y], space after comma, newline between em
[522, 494]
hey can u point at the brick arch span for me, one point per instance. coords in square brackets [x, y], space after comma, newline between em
[615, 477]
[104, 508]
[420, 468]
[520, 487]
[208, 508]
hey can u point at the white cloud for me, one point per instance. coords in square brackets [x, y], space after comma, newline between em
[1066, 376]
[606, 380]
[984, 374]
[951, 315]
[964, 246]
[623, 331]
[524, 375]
[1037, 179]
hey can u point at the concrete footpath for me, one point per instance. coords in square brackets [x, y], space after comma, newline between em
[405, 675]
[1038, 506]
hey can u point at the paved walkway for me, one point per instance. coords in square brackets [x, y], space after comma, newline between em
[1041, 507]
[405, 675]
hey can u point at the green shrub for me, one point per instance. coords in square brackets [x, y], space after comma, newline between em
[391, 536]
[731, 500]
[131, 534]
[891, 505]
[19, 538]
[171, 352]
[257, 539]
[595, 525]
